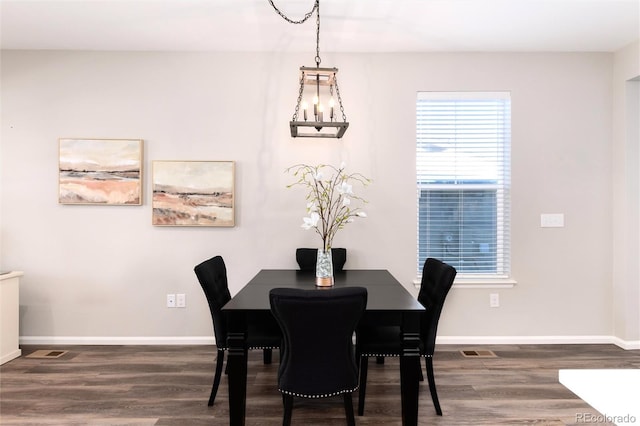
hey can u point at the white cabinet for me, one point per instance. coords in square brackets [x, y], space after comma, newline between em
[9, 316]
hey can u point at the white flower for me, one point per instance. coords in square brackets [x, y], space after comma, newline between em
[343, 165]
[345, 188]
[311, 221]
[318, 176]
[346, 201]
[361, 214]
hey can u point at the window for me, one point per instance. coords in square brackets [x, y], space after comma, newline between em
[463, 181]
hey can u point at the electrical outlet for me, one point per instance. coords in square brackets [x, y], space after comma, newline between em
[494, 300]
[171, 300]
[181, 300]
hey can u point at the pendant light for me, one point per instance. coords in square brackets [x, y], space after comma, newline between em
[319, 105]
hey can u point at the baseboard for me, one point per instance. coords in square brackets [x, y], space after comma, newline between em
[536, 340]
[116, 340]
[627, 344]
[441, 340]
[11, 355]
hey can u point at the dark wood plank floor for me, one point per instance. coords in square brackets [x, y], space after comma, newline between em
[169, 385]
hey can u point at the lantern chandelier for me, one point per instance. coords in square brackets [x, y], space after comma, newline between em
[321, 92]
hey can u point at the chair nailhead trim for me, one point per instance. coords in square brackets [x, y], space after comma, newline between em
[252, 347]
[318, 396]
[391, 355]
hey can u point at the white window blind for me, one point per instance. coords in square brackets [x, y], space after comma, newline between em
[463, 181]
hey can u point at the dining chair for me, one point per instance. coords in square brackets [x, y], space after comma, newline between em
[386, 341]
[318, 357]
[307, 257]
[212, 275]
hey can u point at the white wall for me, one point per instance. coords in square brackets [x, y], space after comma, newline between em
[103, 272]
[626, 194]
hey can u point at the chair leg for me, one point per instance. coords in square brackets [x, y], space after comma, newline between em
[348, 409]
[266, 356]
[432, 385]
[364, 366]
[216, 378]
[288, 408]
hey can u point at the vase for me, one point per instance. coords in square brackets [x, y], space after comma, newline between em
[324, 268]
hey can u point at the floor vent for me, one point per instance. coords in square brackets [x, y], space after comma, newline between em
[46, 353]
[482, 353]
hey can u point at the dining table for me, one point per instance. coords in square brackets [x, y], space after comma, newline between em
[388, 303]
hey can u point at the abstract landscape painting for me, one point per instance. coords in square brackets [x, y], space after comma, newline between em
[193, 193]
[100, 171]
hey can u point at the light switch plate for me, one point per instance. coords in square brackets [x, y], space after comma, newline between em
[181, 300]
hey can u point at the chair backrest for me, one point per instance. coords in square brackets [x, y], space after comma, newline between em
[307, 257]
[437, 279]
[317, 356]
[212, 274]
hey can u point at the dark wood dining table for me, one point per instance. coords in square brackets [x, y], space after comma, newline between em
[388, 303]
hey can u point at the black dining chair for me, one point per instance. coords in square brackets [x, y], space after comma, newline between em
[318, 355]
[307, 257]
[385, 341]
[212, 275]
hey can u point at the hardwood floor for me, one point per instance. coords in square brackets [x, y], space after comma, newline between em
[170, 385]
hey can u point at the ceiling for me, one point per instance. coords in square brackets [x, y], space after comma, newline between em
[346, 25]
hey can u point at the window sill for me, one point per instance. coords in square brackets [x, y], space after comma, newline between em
[477, 283]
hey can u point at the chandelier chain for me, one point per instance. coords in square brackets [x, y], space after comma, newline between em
[295, 114]
[293, 21]
[316, 8]
[318, 60]
[344, 117]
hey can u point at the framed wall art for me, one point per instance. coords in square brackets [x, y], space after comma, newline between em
[193, 193]
[100, 171]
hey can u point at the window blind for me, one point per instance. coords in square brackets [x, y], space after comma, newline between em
[463, 181]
